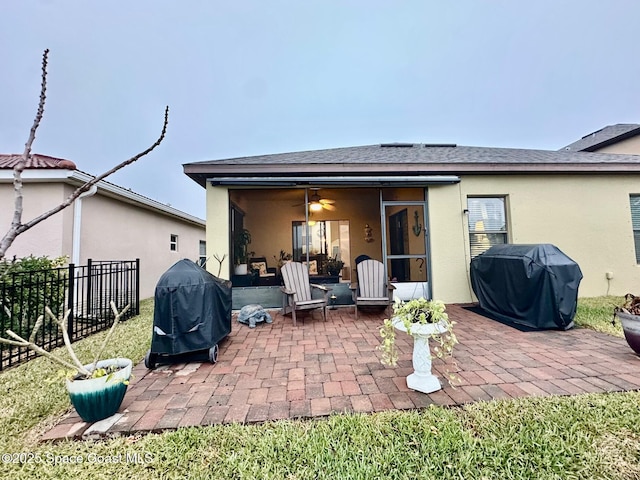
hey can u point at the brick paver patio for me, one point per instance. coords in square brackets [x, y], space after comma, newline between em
[276, 371]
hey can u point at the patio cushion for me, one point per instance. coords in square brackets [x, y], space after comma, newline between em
[261, 267]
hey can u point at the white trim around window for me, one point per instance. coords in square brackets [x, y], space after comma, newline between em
[487, 219]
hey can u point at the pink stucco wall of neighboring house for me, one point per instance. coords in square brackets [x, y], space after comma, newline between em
[50, 238]
[115, 224]
[112, 229]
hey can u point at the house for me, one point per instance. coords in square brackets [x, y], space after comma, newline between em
[107, 223]
[426, 210]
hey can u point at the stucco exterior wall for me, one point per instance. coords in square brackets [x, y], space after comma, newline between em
[51, 237]
[629, 146]
[115, 230]
[588, 217]
[111, 229]
[218, 231]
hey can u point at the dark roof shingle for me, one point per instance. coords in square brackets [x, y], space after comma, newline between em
[603, 137]
[415, 159]
[424, 154]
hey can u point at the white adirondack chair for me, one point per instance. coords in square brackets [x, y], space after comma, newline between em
[297, 291]
[372, 288]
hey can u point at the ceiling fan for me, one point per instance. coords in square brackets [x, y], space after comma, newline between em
[317, 203]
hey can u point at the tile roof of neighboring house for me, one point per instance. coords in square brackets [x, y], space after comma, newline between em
[413, 158]
[603, 137]
[55, 166]
[9, 160]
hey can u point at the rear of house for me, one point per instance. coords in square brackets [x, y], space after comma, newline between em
[426, 210]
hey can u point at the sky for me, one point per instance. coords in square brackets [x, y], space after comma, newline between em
[257, 77]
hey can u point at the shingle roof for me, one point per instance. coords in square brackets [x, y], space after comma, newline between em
[603, 137]
[425, 154]
[413, 159]
[9, 160]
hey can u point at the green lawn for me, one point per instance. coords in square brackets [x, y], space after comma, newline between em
[581, 437]
[597, 313]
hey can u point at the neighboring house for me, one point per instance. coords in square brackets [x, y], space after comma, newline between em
[426, 210]
[107, 223]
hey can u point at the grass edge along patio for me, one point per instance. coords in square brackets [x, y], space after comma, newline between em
[584, 436]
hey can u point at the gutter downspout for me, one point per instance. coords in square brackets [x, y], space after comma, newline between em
[77, 224]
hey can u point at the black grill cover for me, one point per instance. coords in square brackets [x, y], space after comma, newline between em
[531, 285]
[192, 310]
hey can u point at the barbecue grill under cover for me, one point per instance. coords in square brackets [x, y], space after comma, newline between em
[531, 285]
[192, 310]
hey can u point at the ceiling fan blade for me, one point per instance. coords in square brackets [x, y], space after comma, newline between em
[328, 206]
[326, 200]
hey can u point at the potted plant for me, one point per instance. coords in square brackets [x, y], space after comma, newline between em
[629, 315]
[333, 265]
[283, 258]
[96, 389]
[241, 253]
[424, 320]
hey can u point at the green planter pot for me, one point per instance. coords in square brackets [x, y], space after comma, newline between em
[631, 328]
[98, 398]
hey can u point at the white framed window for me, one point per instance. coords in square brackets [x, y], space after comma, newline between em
[634, 200]
[202, 257]
[173, 243]
[487, 223]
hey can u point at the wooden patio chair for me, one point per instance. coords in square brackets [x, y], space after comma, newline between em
[372, 288]
[297, 291]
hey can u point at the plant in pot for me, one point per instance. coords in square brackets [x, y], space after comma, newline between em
[333, 265]
[241, 252]
[282, 258]
[96, 389]
[424, 320]
[629, 315]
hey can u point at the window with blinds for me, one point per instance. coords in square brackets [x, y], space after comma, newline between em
[635, 220]
[487, 223]
[202, 253]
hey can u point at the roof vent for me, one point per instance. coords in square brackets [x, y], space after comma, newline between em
[593, 134]
[441, 145]
[396, 145]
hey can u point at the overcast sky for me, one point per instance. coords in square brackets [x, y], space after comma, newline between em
[266, 76]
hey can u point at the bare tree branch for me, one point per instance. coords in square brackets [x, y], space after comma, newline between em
[17, 227]
[111, 330]
[16, 222]
[62, 323]
[83, 188]
[75, 363]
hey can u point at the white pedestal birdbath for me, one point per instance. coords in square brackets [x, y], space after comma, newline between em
[422, 380]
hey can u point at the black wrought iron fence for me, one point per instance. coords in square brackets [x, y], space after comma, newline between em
[86, 291]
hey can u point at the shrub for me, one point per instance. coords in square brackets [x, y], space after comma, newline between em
[27, 285]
